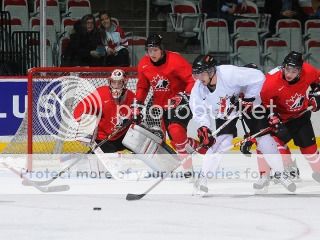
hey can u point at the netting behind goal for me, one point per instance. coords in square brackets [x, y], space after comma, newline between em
[53, 93]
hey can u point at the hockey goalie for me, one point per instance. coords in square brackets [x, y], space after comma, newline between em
[104, 114]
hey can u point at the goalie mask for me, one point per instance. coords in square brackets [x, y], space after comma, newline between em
[291, 67]
[117, 83]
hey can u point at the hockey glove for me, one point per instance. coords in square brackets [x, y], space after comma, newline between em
[275, 122]
[315, 103]
[242, 104]
[178, 100]
[315, 87]
[205, 137]
[136, 112]
[123, 122]
[94, 54]
[245, 147]
[314, 100]
[246, 104]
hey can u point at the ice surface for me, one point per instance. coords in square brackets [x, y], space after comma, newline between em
[230, 211]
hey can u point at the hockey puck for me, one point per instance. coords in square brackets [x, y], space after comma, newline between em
[97, 208]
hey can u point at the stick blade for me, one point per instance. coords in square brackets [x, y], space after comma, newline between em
[27, 182]
[133, 197]
[57, 188]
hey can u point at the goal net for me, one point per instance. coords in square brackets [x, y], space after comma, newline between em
[53, 93]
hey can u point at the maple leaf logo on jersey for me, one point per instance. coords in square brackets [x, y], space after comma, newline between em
[223, 104]
[295, 102]
[160, 83]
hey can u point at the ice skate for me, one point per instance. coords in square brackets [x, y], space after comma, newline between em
[189, 175]
[294, 172]
[261, 186]
[316, 176]
[200, 187]
[285, 180]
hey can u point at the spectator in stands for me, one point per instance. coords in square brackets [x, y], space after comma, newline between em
[225, 9]
[114, 41]
[317, 13]
[84, 41]
[280, 9]
[316, 7]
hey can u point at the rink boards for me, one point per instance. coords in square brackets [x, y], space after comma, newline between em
[13, 98]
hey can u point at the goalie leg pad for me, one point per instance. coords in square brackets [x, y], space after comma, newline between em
[149, 148]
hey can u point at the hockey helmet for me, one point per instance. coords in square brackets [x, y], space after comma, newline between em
[204, 63]
[154, 40]
[293, 60]
[117, 82]
[251, 65]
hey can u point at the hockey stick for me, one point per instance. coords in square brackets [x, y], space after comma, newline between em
[45, 189]
[132, 196]
[29, 182]
[264, 131]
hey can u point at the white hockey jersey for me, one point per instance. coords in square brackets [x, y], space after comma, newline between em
[231, 81]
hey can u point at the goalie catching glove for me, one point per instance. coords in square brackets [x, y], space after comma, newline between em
[205, 137]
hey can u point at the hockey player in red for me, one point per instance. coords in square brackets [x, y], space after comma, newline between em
[167, 74]
[112, 105]
[286, 89]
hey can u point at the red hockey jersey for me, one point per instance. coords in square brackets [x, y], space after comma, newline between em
[111, 112]
[290, 99]
[166, 80]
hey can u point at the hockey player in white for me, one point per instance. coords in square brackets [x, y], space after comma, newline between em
[211, 98]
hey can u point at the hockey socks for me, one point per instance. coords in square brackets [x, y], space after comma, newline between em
[311, 153]
[180, 141]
